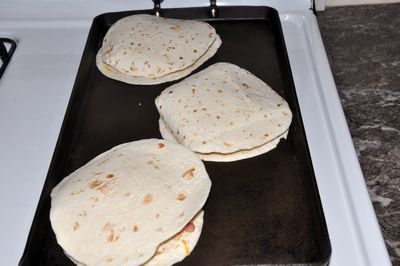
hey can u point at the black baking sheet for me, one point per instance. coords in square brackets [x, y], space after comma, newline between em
[263, 210]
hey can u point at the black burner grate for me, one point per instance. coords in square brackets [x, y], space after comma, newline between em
[7, 48]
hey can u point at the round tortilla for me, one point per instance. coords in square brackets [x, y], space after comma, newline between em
[119, 207]
[222, 110]
[227, 157]
[146, 49]
[136, 80]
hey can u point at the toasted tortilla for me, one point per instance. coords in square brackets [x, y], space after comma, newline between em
[174, 249]
[119, 207]
[227, 157]
[146, 49]
[178, 247]
[136, 80]
[222, 110]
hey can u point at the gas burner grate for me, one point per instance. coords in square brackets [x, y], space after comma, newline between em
[7, 48]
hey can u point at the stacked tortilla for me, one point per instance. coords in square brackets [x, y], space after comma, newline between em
[223, 113]
[145, 49]
[136, 204]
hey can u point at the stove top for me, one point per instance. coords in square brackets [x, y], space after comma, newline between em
[36, 86]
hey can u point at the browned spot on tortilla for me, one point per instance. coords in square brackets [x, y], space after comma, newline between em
[111, 236]
[266, 135]
[279, 104]
[148, 198]
[76, 226]
[195, 50]
[181, 197]
[72, 193]
[108, 260]
[110, 176]
[99, 173]
[133, 68]
[204, 109]
[127, 194]
[161, 145]
[218, 117]
[158, 252]
[204, 142]
[95, 184]
[157, 215]
[231, 123]
[102, 186]
[188, 174]
[135, 228]
[227, 144]
[103, 162]
[279, 125]
[210, 35]
[220, 91]
[245, 85]
[175, 28]
[107, 226]
[284, 113]
[83, 214]
[194, 110]
[181, 214]
[109, 50]
[193, 90]
[170, 92]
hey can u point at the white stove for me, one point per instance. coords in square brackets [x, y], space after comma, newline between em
[35, 89]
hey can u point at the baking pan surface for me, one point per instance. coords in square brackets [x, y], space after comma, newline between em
[262, 210]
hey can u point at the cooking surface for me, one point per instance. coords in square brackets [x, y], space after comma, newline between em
[51, 42]
[261, 210]
[362, 44]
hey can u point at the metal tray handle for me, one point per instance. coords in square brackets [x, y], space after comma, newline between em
[213, 9]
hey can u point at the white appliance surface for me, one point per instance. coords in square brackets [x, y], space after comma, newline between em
[36, 87]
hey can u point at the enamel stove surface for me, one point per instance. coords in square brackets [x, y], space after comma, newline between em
[35, 89]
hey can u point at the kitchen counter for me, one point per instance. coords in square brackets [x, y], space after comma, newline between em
[363, 47]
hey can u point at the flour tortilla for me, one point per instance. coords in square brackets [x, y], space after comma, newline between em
[180, 246]
[145, 49]
[174, 249]
[228, 157]
[223, 109]
[136, 80]
[118, 208]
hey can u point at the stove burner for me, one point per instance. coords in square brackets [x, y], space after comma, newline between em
[7, 48]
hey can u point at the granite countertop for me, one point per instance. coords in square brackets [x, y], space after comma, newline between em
[363, 47]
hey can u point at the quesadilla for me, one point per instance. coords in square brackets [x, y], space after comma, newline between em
[119, 207]
[223, 113]
[145, 49]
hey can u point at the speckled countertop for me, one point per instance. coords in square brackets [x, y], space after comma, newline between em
[363, 47]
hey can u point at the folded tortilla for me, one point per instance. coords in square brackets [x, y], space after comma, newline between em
[137, 80]
[227, 157]
[146, 49]
[119, 207]
[224, 113]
